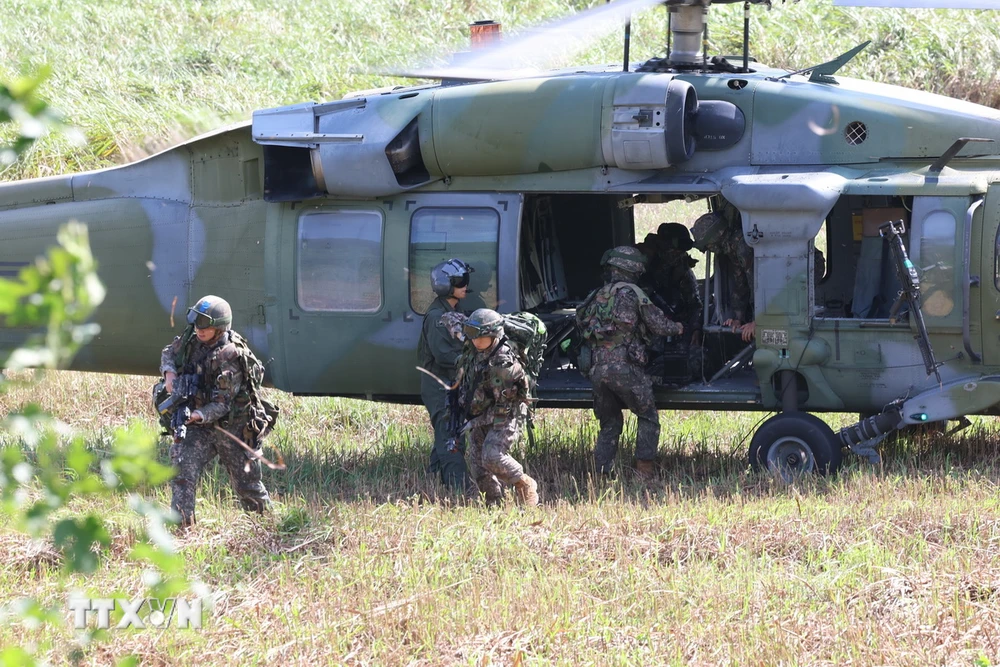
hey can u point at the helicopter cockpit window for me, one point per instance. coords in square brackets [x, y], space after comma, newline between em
[468, 234]
[340, 261]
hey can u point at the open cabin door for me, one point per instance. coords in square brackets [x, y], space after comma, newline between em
[349, 282]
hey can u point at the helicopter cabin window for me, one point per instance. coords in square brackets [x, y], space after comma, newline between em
[441, 233]
[937, 250]
[340, 261]
[861, 280]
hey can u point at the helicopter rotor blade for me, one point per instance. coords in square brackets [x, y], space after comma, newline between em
[531, 51]
[922, 4]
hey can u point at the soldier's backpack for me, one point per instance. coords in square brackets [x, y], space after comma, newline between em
[263, 414]
[527, 333]
[595, 323]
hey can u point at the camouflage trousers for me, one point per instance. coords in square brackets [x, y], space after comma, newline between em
[619, 385]
[489, 450]
[190, 456]
[451, 465]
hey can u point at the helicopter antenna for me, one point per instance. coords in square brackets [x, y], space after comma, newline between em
[746, 36]
[670, 30]
[628, 39]
[822, 73]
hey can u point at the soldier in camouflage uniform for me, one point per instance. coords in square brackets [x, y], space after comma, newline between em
[618, 322]
[721, 232]
[672, 278]
[222, 400]
[438, 351]
[494, 394]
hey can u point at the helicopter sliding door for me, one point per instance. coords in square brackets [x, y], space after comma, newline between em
[326, 282]
[349, 282]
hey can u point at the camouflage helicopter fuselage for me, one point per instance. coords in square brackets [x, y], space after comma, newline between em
[318, 222]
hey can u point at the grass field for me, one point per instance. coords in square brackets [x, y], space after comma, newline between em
[365, 559]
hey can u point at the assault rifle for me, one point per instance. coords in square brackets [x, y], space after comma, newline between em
[910, 292]
[178, 404]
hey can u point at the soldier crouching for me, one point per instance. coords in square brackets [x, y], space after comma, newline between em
[210, 361]
[494, 393]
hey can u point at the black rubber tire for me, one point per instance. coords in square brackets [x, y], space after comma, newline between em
[792, 438]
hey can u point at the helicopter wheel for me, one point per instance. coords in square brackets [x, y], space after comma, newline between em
[793, 444]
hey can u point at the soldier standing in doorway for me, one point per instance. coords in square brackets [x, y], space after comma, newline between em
[437, 352]
[618, 322]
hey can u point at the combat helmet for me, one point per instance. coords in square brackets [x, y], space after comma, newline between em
[674, 236]
[626, 258]
[483, 322]
[708, 229]
[211, 311]
[448, 275]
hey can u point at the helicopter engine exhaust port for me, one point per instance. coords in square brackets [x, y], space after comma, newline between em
[791, 444]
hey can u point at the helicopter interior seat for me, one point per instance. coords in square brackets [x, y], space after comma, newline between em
[876, 285]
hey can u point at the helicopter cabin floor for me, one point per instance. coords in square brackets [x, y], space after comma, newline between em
[565, 387]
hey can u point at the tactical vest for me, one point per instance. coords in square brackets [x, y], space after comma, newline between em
[596, 318]
[261, 414]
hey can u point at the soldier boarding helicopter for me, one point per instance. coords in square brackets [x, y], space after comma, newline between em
[320, 222]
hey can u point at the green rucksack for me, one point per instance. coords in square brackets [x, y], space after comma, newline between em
[527, 334]
[263, 414]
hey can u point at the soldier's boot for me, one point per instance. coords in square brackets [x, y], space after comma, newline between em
[645, 470]
[527, 491]
[489, 486]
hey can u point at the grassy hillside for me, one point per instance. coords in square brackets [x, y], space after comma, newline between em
[365, 559]
[137, 75]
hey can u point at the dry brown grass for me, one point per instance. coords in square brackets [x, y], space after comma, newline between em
[366, 561]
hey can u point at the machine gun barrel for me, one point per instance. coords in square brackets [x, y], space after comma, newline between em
[910, 281]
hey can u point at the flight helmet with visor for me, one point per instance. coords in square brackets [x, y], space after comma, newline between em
[449, 275]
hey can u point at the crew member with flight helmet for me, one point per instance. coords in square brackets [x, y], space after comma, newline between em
[618, 322]
[494, 394]
[208, 351]
[437, 352]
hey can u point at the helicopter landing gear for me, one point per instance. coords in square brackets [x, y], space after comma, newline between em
[795, 443]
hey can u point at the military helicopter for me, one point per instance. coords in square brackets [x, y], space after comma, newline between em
[319, 222]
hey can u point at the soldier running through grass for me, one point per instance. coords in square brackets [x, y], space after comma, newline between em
[494, 394]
